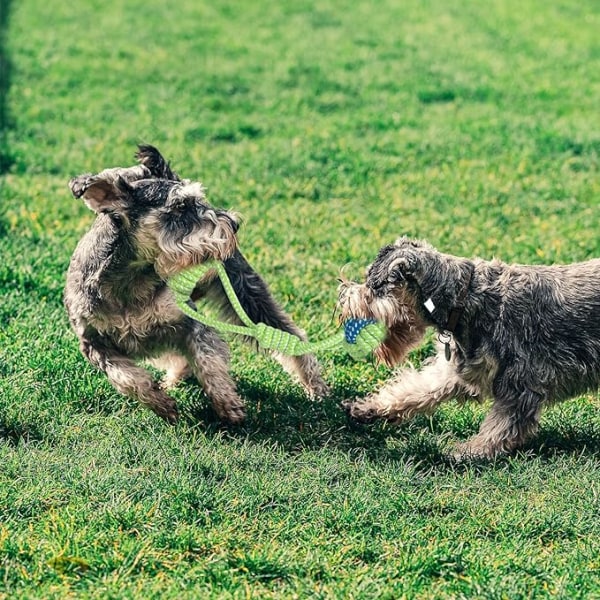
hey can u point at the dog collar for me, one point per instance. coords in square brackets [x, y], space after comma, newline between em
[456, 311]
[446, 332]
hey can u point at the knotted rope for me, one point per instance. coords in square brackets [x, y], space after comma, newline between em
[358, 338]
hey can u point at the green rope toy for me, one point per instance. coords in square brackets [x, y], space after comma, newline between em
[358, 338]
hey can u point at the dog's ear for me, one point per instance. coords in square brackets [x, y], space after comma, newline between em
[101, 194]
[393, 265]
[406, 242]
[150, 157]
[407, 259]
[444, 281]
[401, 268]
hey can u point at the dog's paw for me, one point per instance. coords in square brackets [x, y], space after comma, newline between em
[361, 411]
[233, 414]
[471, 452]
[167, 410]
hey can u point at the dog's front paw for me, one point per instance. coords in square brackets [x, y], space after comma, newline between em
[362, 411]
[234, 413]
[167, 410]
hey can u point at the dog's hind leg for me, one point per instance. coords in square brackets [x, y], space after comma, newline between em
[412, 392]
[506, 427]
[258, 303]
[208, 357]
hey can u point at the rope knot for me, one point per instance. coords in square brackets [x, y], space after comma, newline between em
[360, 336]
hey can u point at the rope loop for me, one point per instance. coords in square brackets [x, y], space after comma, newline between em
[358, 338]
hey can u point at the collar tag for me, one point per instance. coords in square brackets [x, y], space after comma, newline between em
[445, 337]
[429, 305]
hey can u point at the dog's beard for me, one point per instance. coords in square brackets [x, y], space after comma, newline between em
[396, 311]
[215, 239]
[400, 339]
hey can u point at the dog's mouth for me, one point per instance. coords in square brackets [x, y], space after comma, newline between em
[404, 326]
[215, 239]
[358, 301]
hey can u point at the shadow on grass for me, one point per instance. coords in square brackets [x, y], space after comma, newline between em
[281, 418]
[297, 426]
[5, 75]
[15, 433]
[582, 440]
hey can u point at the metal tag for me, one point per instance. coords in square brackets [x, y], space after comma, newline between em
[445, 337]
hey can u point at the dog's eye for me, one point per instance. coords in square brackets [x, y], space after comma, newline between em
[396, 276]
[176, 208]
[376, 283]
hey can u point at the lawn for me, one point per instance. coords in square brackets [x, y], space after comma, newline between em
[332, 127]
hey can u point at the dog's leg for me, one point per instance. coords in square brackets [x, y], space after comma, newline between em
[412, 392]
[258, 303]
[505, 428]
[129, 379]
[306, 370]
[208, 357]
[261, 307]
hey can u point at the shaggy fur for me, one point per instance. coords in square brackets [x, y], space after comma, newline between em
[151, 224]
[526, 336]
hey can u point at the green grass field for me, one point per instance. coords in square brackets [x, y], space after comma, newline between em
[332, 127]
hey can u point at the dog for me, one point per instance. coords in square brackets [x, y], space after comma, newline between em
[524, 336]
[151, 224]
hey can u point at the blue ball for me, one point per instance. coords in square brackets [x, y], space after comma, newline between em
[352, 327]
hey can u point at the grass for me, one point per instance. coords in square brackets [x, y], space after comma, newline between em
[333, 127]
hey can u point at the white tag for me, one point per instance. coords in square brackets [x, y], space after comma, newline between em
[429, 305]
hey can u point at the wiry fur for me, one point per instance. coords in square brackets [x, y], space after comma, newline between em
[527, 336]
[150, 225]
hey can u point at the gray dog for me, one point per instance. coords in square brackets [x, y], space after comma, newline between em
[526, 336]
[151, 225]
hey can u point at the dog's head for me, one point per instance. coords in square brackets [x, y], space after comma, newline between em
[168, 221]
[409, 286]
[398, 265]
